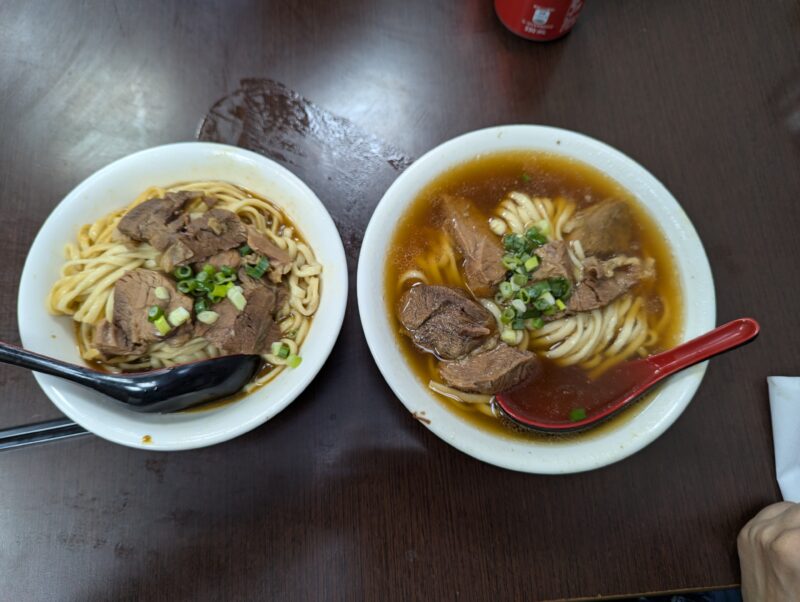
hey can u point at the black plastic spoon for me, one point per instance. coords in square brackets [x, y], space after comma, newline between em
[165, 390]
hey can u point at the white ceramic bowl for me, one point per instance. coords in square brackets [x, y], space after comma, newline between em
[571, 455]
[117, 185]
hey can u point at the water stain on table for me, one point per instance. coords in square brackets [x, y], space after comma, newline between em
[348, 168]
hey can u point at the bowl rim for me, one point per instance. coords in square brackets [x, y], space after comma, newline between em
[510, 453]
[78, 407]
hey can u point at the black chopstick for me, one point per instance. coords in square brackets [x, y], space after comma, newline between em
[39, 432]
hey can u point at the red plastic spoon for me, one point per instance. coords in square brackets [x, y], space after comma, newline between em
[621, 385]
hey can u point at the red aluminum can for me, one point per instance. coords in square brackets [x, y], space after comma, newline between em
[540, 20]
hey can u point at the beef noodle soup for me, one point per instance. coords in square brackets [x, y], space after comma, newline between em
[189, 272]
[532, 269]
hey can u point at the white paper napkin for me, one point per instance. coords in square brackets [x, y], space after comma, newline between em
[784, 403]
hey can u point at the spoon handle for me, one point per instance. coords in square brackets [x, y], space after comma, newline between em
[10, 354]
[721, 339]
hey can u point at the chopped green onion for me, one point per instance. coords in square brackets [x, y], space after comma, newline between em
[227, 270]
[258, 270]
[200, 306]
[550, 310]
[523, 295]
[536, 238]
[220, 277]
[519, 306]
[281, 350]
[532, 263]
[505, 290]
[509, 336]
[507, 315]
[531, 313]
[560, 287]
[202, 277]
[220, 291]
[545, 301]
[236, 297]
[560, 304]
[154, 313]
[510, 261]
[525, 177]
[293, 361]
[183, 272]
[519, 279]
[207, 317]
[514, 243]
[534, 323]
[162, 325]
[161, 293]
[577, 414]
[544, 227]
[209, 269]
[537, 289]
[518, 324]
[187, 286]
[178, 316]
[245, 250]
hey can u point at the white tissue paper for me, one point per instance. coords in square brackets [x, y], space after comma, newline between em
[784, 403]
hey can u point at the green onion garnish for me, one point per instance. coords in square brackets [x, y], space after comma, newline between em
[258, 270]
[178, 316]
[220, 290]
[161, 293]
[182, 272]
[537, 289]
[534, 323]
[523, 295]
[236, 297]
[532, 263]
[227, 270]
[576, 414]
[200, 306]
[510, 261]
[507, 315]
[293, 361]
[560, 304]
[209, 269]
[544, 227]
[202, 277]
[187, 286]
[281, 350]
[162, 325]
[519, 279]
[207, 317]
[154, 313]
[220, 277]
[509, 336]
[519, 306]
[245, 250]
[535, 238]
[518, 324]
[505, 290]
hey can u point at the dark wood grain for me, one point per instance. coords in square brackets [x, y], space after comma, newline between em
[344, 495]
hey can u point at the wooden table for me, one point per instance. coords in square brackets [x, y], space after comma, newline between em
[344, 496]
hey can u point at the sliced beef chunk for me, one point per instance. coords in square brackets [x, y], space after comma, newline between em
[490, 372]
[156, 221]
[554, 262]
[480, 247]
[130, 331]
[604, 229]
[230, 258]
[251, 330]
[444, 320]
[604, 281]
[280, 262]
[215, 231]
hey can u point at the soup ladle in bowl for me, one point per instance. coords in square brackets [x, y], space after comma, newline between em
[620, 386]
[164, 390]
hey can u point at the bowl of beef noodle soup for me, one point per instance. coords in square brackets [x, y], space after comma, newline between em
[537, 257]
[177, 254]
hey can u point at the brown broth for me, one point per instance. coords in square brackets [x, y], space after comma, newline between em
[486, 180]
